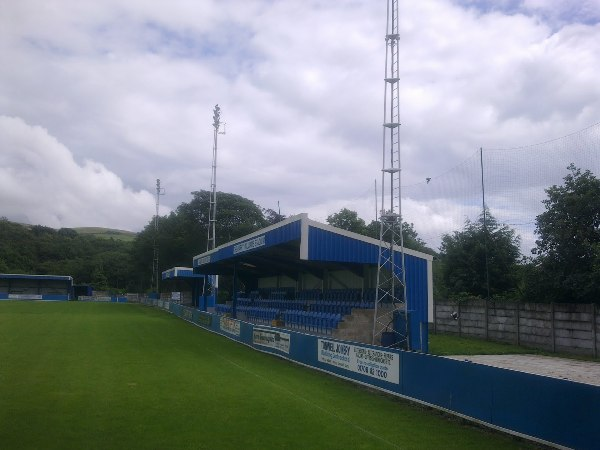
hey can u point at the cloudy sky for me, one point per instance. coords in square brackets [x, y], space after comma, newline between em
[98, 99]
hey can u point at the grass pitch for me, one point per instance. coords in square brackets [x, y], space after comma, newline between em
[93, 375]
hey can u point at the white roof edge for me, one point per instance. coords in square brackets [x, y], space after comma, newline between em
[287, 221]
[362, 237]
[36, 275]
[304, 217]
[178, 268]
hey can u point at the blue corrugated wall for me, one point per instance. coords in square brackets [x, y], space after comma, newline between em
[324, 245]
[286, 233]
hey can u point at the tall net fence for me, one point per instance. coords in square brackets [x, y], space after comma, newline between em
[512, 181]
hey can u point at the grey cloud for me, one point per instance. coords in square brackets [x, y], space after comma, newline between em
[131, 86]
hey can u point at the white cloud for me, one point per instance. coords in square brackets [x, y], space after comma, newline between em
[41, 183]
[131, 85]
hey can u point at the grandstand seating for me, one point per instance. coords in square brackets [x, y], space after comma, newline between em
[222, 309]
[313, 310]
[319, 322]
[258, 314]
[309, 294]
[348, 295]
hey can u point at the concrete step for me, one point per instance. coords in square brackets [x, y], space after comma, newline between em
[356, 327]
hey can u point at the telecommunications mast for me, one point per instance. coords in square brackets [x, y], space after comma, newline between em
[155, 275]
[390, 323]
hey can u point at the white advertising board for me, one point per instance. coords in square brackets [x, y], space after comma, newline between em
[230, 326]
[368, 361]
[271, 338]
[24, 297]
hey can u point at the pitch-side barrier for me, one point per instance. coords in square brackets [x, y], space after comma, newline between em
[552, 411]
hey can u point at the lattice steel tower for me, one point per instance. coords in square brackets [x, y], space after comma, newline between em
[212, 206]
[212, 211]
[390, 321]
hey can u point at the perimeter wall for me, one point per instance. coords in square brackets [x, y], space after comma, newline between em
[554, 327]
[550, 410]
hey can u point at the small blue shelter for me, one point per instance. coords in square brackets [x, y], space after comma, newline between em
[182, 280]
[35, 287]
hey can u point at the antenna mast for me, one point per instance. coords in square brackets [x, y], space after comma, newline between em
[155, 275]
[390, 325]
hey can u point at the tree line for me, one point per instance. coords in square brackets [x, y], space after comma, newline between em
[481, 260]
[118, 266]
[37, 249]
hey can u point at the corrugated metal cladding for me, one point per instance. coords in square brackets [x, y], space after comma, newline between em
[184, 273]
[416, 285]
[324, 245]
[417, 301]
[279, 235]
[178, 273]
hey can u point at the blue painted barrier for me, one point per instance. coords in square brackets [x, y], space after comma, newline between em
[49, 297]
[545, 409]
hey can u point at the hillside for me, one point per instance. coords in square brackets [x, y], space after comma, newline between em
[107, 233]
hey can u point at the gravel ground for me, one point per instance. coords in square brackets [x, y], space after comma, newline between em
[567, 369]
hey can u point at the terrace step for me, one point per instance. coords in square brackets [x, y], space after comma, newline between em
[356, 327]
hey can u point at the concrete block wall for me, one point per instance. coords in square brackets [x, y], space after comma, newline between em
[554, 327]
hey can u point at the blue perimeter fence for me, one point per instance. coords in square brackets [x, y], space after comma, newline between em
[548, 410]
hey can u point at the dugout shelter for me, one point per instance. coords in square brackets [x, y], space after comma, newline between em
[184, 286]
[35, 287]
[299, 255]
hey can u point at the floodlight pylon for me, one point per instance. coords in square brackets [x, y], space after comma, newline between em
[212, 211]
[155, 268]
[212, 206]
[390, 322]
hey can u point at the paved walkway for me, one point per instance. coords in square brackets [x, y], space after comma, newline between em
[567, 369]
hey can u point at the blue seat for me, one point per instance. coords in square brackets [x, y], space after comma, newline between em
[316, 321]
[322, 322]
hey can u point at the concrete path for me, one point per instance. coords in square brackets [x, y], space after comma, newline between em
[567, 369]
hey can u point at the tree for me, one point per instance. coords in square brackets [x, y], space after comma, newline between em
[183, 234]
[99, 280]
[463, 255]
[567, 262]
[410, 236]
[347, 220]
[272, 216]
[41, 250]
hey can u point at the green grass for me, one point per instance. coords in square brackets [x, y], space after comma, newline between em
[107, 233]
[93, 375]
[444, 344]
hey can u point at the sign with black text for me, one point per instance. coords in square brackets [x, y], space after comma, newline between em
[271, 338]
[372, 362]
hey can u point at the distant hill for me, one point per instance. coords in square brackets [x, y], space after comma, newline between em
[107, 233]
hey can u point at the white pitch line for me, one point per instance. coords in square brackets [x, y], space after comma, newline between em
[299, 397]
